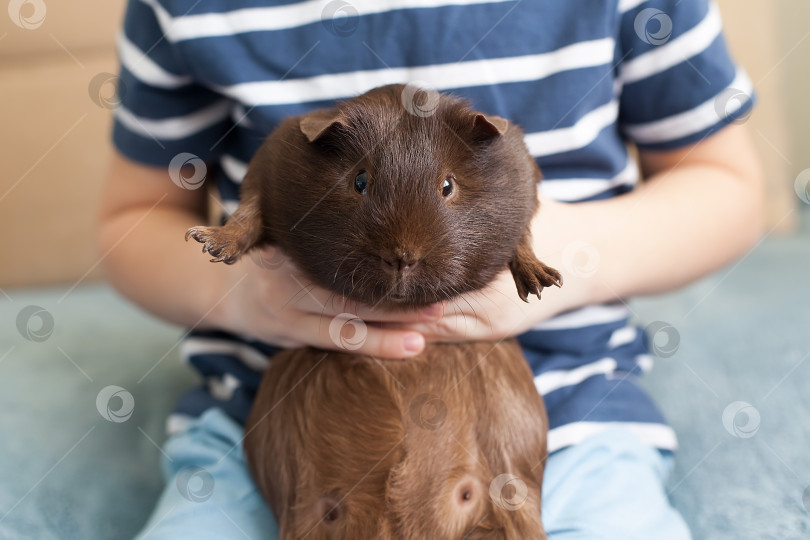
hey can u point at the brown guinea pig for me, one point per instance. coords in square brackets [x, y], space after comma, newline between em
[398, 198]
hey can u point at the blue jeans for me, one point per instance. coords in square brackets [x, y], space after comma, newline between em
[611, 486]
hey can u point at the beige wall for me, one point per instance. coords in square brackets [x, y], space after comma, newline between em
[792, 31]
[760, 39]
[54, 139]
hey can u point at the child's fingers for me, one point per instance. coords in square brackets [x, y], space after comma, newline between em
[450, 329]
[352, 334]
[329, 305]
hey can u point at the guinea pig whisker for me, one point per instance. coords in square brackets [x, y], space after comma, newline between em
[472, 308]
[475, 313]
[334, 280]
[319, 238]
[294, 298]
[353, 271]
[361, 283]
[328, 301]
[308, 288]
[460, 309]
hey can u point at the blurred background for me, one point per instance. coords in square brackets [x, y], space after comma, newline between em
[734, 387]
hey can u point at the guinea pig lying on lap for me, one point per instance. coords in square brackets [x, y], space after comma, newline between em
[389, 205]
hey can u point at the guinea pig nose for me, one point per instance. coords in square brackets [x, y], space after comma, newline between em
[398, 262]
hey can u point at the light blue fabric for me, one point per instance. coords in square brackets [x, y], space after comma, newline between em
[209, 493]
[609, 487]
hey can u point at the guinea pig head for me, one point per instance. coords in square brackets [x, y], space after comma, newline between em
[391, 204]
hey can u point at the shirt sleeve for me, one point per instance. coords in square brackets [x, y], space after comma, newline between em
[678, 82]
[162, 111]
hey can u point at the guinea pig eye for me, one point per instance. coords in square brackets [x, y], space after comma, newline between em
[361, 182]
[448, 186]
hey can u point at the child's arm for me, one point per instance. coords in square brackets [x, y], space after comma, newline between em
[142, 224]
[700, 207]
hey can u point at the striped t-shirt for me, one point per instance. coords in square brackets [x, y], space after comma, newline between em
[583, 78]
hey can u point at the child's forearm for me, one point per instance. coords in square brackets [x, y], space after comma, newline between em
[141, 226]
[148, 261]
[699, 209]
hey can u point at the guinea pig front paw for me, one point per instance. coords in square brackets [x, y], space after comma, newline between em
[532, 276]
[218, 242]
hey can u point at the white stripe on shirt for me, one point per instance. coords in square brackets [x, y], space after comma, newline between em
[250, 356]
[239, 115]
[627, 5]
[577, 189]
[282, 17]
[685, 46]
[554, 380]
[222, 388]
[233, 168]
[694, 120]
[229, 206]
[581, 134]
[645, 362]
[177, 127]
[587, 316]
[656, 435]
[471, 73]
[623, 336]
[145, 69]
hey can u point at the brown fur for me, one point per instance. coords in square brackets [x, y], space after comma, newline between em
[345, 447]
[338, 443]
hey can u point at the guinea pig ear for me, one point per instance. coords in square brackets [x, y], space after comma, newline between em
[489, 126]
[316, 124]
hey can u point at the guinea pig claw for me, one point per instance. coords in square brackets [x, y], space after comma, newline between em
[549, 276]
[215, 242]
[213, 249]
[532, 276]
[197, 234]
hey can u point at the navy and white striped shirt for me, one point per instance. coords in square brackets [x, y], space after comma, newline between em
[582, 77]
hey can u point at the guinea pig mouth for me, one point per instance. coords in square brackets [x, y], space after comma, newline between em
[399, 292]
[367, 283]
[397, 297]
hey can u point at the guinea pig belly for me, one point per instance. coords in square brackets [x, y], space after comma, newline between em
[447, 445]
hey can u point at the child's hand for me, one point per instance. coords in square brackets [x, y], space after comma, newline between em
[494, 313]
[266, 297]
